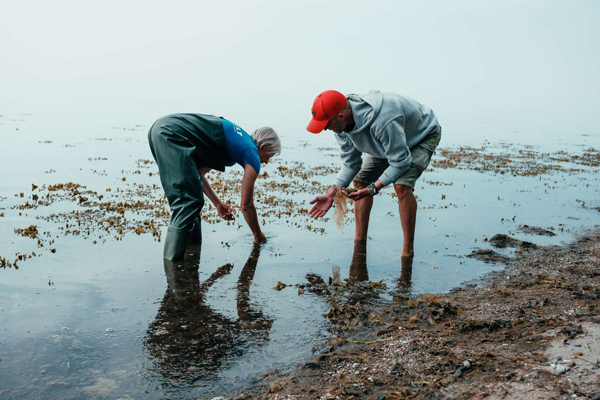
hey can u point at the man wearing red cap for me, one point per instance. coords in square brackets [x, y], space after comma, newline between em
[398, 136]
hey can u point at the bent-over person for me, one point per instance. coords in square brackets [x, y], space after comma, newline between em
[398, 136]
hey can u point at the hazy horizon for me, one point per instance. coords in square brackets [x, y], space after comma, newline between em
[505, 68]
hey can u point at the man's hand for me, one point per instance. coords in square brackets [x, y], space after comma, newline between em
[359, 194]
[323, 205]
[225, 212]
[260, 238]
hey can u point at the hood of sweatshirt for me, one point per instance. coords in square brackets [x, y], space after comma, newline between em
[365, 109]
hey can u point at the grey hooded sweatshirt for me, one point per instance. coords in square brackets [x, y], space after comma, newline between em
[387, 126]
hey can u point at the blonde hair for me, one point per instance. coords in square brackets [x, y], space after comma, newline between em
[268, 138]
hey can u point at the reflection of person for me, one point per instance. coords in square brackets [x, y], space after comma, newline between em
[188, 333]
[398, 135]
[186, 147]
[248, 316]
[358, 266]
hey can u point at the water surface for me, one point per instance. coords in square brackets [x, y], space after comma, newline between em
[104, 317]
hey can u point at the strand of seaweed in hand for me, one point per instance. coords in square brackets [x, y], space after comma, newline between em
[341, 205]
[341, 208]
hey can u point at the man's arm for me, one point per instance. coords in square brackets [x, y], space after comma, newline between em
[393, 140]
[351, 161]
[248, 208]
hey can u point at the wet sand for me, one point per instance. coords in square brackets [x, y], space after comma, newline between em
[531, 331]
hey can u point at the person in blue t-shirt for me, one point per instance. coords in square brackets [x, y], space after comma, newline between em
[186, 147]
[240, 147]
[243, 149]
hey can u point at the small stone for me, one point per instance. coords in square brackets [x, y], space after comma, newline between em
[557, 369]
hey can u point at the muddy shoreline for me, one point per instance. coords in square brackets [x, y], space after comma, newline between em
[530, 331]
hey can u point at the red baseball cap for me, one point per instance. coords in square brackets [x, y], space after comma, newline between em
[325, 107]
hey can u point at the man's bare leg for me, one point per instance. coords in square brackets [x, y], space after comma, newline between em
[407, 205]
[406, 272]
[362, 212]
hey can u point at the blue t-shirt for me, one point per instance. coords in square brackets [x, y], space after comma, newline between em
[240, 146]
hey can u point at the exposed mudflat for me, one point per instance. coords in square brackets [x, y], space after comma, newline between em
[531, 331]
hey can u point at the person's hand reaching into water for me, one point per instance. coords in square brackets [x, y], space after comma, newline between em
[225, 212]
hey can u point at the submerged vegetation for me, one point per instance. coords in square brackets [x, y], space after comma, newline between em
[128, 207]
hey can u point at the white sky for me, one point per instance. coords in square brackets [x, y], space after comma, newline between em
[524, 67]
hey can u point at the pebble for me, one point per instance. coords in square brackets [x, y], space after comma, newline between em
[557, 369]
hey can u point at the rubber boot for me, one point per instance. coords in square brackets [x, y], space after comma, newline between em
[175, 244]
[196, 231]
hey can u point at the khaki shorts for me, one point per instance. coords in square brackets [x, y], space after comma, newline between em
[372, 167]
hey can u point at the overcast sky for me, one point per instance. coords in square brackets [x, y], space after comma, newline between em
[499, 66]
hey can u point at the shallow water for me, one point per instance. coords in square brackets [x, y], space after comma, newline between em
[110, 319]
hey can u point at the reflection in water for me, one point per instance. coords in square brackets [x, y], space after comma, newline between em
[358, 266]
[359, 272]
[189, 341]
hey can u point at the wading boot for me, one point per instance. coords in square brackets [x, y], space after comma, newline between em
[175, 244]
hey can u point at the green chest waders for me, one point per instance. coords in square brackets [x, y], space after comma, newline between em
[180, 145]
